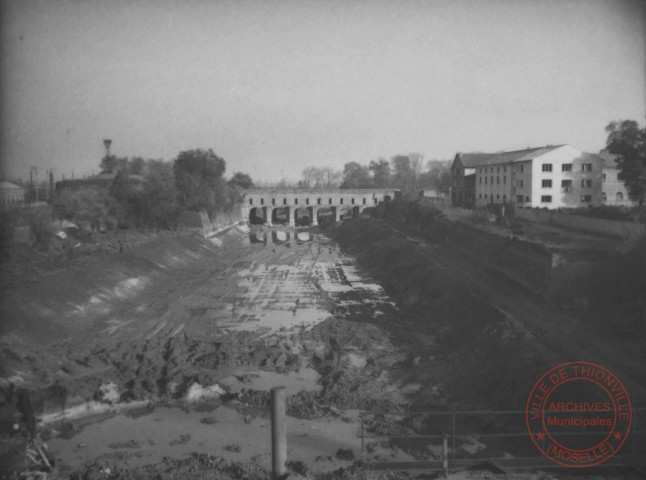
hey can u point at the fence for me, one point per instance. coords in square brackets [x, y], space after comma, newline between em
[494, 440]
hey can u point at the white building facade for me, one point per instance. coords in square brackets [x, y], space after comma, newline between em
[546, 177]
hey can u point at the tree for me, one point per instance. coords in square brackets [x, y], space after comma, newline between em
[403, 175]
[311, 177]
[356, 176]
[160, 194]
[437, 175]
[330, 178]
[198, 177]
[136, 166]
[628, 142]
[241, 180]
[381, 175]
[325, 177]
[112, 163]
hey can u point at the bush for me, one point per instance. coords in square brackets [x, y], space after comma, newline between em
[606, 212]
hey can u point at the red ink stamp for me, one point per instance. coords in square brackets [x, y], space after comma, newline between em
[578, 414]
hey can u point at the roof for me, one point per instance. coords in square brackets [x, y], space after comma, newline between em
[315, 191]
[471, 160]
[7, 186]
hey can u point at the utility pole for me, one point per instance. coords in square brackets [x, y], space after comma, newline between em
[31, 181]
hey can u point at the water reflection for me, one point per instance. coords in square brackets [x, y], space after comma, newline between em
[303, 236]
[278, 237]
[283, 237]
[258, 237]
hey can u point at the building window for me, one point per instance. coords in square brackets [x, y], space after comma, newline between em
[353, 201]
[604, 197]
[504, 180]
[307, 201]
[318, 201]
[546, 184]
[586, 183]
[566, 185]
[251, 201]
[586, 167]
[341, 201]
[546, 199]
[364, 200]
[273, 201]
[376, 201]
[504, 169]
[480, 180]
[284, 201]
[486, 180]
[519, 198]
[296, 201]
[504, 197]
[329, 201]
[262, 201]
[527, 198]
[547, 167]
[497, 196]
[566, 167]
[485, 195]
[492, 180]
[498, 180]
[498, 170]
[619, 197]
[522, 168]
[586, 198]
[603, 178]
[480, 195]
[521, 183]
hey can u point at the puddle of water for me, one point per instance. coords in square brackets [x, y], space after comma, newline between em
[278, 321]
[173, 432]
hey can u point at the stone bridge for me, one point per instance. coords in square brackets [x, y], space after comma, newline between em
[303, 207]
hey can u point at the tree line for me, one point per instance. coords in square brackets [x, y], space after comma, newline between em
[153, 193]
[406, 172]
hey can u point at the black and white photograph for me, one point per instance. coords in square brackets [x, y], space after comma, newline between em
[322, 239]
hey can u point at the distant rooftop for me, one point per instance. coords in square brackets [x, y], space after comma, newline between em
[8, 186]
[471, 160]
[317, 190]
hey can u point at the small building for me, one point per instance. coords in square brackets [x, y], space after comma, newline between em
[463, 171]
[613, 190]
[95, 183]
[11, 195]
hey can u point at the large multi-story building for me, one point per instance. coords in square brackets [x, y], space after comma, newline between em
[551, 177]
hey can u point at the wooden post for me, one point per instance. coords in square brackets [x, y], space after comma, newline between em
[363, 440]
[445, 454]
[278, 432]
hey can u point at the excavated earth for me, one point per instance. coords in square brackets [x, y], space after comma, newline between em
[157, 362]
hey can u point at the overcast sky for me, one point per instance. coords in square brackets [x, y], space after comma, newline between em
[275, 86]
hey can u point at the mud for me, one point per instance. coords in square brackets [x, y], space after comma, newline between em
[161, 365]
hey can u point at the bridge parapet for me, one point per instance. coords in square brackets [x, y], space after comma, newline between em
[283, 205]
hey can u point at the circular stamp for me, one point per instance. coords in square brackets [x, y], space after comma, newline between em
[578, 414]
